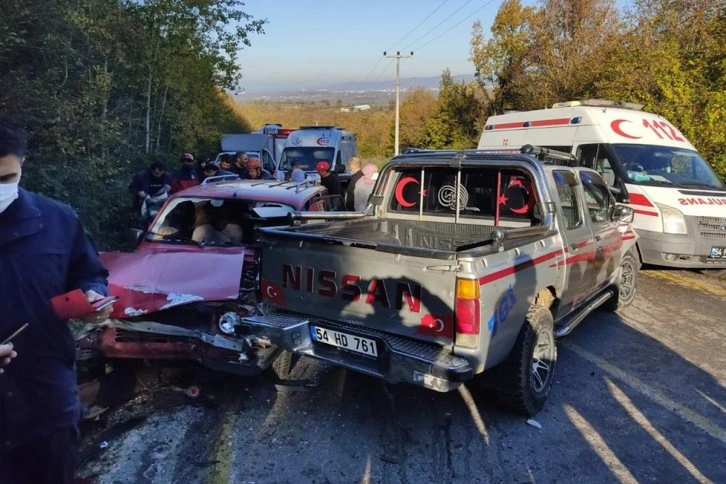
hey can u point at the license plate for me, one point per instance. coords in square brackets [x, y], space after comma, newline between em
[718, 253]
[343, 340]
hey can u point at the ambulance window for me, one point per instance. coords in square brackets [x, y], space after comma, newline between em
[597, 197]
[567, 192]
[595, 156]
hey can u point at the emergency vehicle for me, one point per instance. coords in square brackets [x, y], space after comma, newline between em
[311, 144]
[679, 202]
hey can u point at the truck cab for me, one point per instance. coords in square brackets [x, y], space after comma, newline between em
[679, 202]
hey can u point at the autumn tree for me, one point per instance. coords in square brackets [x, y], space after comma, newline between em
[502, 62]
[456, 123]
[672, 59]
[418, 106]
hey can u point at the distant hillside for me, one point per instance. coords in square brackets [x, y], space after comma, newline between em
[374, 92]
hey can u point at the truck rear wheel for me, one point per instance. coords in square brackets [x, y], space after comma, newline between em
[525, 379]
[627, 285]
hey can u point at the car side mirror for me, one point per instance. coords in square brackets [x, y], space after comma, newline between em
[135, 236]
[623, 213]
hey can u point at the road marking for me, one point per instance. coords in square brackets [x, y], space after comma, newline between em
[598, 444]
[645, 424]
[693, 284]
[658, 397]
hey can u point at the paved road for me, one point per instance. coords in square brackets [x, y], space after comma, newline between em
[639, 396]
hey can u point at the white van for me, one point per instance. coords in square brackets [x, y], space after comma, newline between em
[679, 202]
[311, 144]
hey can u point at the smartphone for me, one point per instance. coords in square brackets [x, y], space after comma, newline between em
[102, 304]
[15, 333]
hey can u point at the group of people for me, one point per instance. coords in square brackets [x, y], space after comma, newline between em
[153, 185]
[359, 188]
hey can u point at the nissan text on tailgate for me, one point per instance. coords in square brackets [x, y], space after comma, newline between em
[465, 266]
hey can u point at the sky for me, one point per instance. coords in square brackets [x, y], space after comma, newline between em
[316, 43]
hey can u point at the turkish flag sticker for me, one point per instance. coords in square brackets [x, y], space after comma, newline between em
[272, 292]
[436, 325]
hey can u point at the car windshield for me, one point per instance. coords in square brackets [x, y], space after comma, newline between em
[308, 156]
[663, 165]
[212, 221]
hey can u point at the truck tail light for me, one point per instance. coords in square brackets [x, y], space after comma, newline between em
[467, 312]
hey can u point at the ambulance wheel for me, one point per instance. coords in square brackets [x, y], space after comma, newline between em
[526, 377]
[627, 285]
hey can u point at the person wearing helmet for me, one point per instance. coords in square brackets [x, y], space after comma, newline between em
[256, 172]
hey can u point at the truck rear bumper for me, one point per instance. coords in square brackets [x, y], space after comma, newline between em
[398, 360]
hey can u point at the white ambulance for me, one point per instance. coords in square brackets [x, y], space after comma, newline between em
[310, 144]
[679, 202]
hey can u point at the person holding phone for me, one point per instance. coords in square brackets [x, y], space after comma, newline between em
[44, 252]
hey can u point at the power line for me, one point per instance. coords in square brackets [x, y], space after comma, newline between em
[375, 66]
[438, 24]
[456, 24]
[419, 25]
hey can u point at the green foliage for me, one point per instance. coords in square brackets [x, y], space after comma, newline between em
[104, 86]
[456, 122]
[668, 55]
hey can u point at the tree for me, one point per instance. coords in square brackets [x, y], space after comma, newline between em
[672, 59]
[501, 63]
[456, 123]
[418, 106]
[566, 52]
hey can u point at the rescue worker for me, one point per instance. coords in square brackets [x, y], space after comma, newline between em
[256, 172]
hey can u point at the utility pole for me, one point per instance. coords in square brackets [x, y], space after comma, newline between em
[398, 58]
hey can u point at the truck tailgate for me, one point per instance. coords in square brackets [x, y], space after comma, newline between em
[397, 294]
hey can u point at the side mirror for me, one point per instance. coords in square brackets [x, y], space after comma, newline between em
[623, 213]
[135, 236]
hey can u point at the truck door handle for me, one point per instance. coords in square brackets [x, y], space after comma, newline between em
[573, 246]
[598, 238]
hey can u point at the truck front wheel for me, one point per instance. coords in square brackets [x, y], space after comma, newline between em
[525, 379]
[627, 285]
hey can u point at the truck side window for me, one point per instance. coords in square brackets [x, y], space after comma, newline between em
[597, 197]
[567, 192]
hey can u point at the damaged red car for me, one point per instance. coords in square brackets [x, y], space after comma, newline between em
[193, 276]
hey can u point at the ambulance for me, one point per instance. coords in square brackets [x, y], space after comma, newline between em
[679, 202]
[311, 144]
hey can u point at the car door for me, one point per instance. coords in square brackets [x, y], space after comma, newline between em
[600, 204]
[578, 241]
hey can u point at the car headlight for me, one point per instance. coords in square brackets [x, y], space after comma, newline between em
[228, 322]
[673, 220]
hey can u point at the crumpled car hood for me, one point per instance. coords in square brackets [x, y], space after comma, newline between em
[148, 282]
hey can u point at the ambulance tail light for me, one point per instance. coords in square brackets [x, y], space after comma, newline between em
[467, 312]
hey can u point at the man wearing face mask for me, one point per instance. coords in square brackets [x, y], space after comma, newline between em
[44, 252]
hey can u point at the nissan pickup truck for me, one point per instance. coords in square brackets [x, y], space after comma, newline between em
[464, 267]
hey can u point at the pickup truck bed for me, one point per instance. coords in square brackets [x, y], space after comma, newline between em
[387, 234]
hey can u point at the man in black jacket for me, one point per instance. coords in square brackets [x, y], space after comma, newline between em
[355, 169]
[44, 253]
